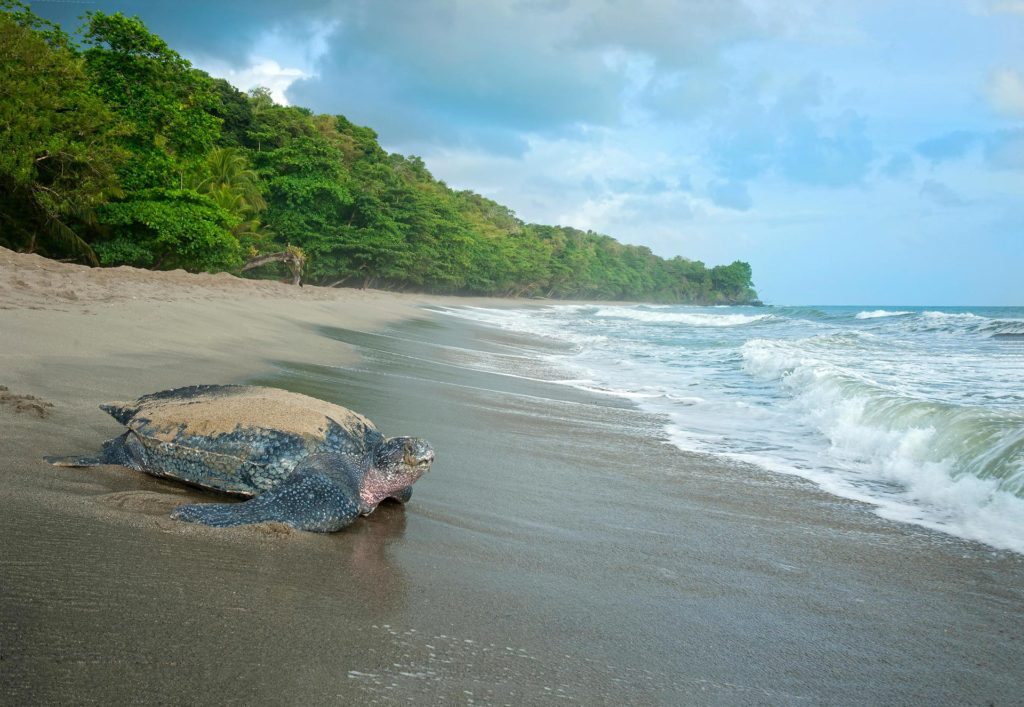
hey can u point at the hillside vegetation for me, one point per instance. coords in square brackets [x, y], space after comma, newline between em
[115, 150]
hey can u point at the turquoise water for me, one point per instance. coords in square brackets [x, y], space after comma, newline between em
[916, 410]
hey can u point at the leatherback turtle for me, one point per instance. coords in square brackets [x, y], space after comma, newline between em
[304, 462]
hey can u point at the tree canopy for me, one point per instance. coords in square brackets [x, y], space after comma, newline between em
[115, 150]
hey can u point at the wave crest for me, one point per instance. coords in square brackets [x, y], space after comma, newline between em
[689, 318]
[879, 313]
[968, 323]
[934, 449]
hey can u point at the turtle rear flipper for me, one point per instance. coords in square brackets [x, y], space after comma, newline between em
[75, 462]
[125, 450]
[120, 411]
[307, 500]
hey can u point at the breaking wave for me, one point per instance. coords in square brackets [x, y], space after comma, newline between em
[968, 323]
[677, 317]
[958, 468]
[917, 411]
[880, 313]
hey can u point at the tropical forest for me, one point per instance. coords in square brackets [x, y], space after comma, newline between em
[115, 150]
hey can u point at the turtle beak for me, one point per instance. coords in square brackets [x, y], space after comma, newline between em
[418, 454]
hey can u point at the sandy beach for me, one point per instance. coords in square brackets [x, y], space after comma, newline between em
[559, 551]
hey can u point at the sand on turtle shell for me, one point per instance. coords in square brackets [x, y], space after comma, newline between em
[224, 410]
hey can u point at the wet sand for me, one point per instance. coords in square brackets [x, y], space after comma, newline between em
[558, 551]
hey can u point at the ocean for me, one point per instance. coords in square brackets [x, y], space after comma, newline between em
[918, 411]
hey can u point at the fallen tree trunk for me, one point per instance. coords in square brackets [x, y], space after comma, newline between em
[292, 260]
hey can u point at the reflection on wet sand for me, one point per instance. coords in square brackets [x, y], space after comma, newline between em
[372, 572]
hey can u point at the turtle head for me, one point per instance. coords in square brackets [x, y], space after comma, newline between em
[399, 461]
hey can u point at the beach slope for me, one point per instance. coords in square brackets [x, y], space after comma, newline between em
[558, 551]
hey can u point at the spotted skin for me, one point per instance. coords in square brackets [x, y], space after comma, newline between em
[321, 495]
[304, 462]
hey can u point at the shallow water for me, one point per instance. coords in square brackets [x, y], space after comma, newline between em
[919, 411]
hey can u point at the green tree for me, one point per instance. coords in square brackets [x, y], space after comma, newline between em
[127, 152]
[169, 108]
[372, 242]
[274, 126]
[235, 111]
[58, 142]
[733, 282]
[170, 228]
[228, 169]
[227, 177]
[307, 200]
[169, 105]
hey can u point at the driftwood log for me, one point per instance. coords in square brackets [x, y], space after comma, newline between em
[293, 260]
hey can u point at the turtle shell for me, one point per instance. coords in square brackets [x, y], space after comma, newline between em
[240, 439]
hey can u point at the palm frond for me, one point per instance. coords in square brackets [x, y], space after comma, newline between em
[64, 236]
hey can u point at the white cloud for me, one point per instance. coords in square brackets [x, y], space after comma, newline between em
[995, 7]
[297, 55]
[629, 184]
[261, 72]
[1005, 92]
[676, 33]
[1011, 6]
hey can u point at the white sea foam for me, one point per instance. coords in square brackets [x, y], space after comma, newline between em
[951, 316]
[539, 321]
[880, 313]
[919, 413]
[947, 467]
[685, 399]
[676, 317]
[968, 323]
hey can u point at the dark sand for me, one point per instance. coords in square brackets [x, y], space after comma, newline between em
[557, 552]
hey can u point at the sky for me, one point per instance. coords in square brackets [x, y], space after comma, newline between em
[852, 151]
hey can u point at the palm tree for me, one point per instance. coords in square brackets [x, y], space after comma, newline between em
[226, 168]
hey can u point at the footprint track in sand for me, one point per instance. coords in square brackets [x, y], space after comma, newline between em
[26, 404]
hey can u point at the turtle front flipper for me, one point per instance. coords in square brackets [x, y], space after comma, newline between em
[306, 500]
